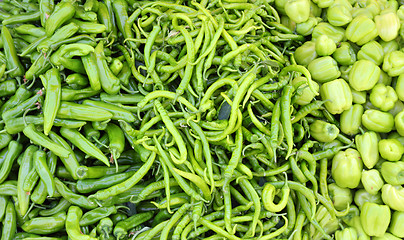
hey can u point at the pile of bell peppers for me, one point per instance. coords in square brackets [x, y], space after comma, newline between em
[231, 119]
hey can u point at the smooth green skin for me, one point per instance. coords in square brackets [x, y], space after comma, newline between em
[362, 196]
[378, 121]
[361, 30]
[400, 87]
[339, 14]
[393, 172]
[341, 197]
[383, 97]
[372, 51]
[372, 181]
[323, 131]
[9, 222]
[297, 10]
[391, 149]
[346, 234]
[324, 69]
[375, 219]
[393, 196]
[387, 24]
[364, 75]
[399, 123]
[344, 54]
[45, 225]
[347, 168]
[306, 53]
[397, 224]
[351, 119]
[337, 94]
[72, 224]
[13, 63]
[367, 145]
[325, 46]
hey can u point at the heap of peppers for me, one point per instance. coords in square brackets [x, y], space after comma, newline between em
[221, 119]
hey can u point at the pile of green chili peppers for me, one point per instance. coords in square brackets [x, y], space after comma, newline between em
[222, 119]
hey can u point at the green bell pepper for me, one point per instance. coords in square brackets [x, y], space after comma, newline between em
[306, 53]
[324, 3]
[389, 46]
[344, 54]
[361, 30]
[325, 46]
[351, 119]
[387, 24]
[326, 221]
[393, 63]
[324, 69]
[306, 28]
[347, 168]
[364, 75]
[346, 234]
[306, 95]
[378, 121]
[371, 51]
[375, 218]
[339, 95]
[393, 196]
[393, 172]
[335, 33]
[384, 78]
[362, 196]
[356, 223]
[340, 197]
[400, 87]
[399, 123]
[372, 181]
[391, 149]
[358, 97]
[397, 224]
[383, 97]
[298, 10]
[367, 145]
[339, 14]
[387, 236]
[323, 131]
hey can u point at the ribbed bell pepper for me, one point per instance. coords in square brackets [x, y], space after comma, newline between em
[324, 28]
[367, 145]
[340, 197]
[348, 218]
[378, 121]
[387, 236]
[323, 131]
[325, 46]
[384, 78]
[306, 28]
[339, 14]
[358, 11]
[391, 149]
[339, 95]
[371, 51]
[344, 54]
[387, 24]
[389, 46]
[364, 75]
[393, 63]
[362, 196]
[361, 30]
[345, 72]
[372, 181]
[383, 97]
[298, 10]
[307, 95]
[306, 53]
[399, 123]
[358, 97]
[346, 234]
[347, 168]
[393, 196]
[324, 69]
[351, 119]
[372, 6]
[397, 224]
[393, 172]
[326, 221]
[315, 10]
[400, 87]
[375, 219]
[324, 3]
[359, 229]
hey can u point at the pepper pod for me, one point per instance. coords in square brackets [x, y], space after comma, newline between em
[393, 63]
[324, 69]
[324, 3]
[399, 123]
[326, 221]
[341, 197]
[372, 181]
[364, 75]
[338, 94]
[367, 145]
[346, 234]
[393, 196]
[400, 87]
[397, 224]
[391, 149]
[393, 172]
[386, 236]
[378, 121]
[344, 54]
[351, 119]
[358, 97]
[306, 28]
[361, 30]
[323, 131]
[371, 51]
[306, 53]
[347, 168]
[306, 95]
[298, 10]
[383, 97]
[362, 196]
[387, 24]
[335, 33]
[375, 218]
[325, 46]
[339, 14]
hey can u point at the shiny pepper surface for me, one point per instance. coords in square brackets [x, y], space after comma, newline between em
[378, 121]
[364, 75]
[323, 131]
[298, 10]
[361, 30]
[393, 172]
[383, 97]
[393, 196]
[375, 218]
[367, 145]
[387, 24]
[347, 168]
[372, 181]
[391, 149]
[338, 94]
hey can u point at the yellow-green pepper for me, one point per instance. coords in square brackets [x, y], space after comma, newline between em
[325, 46]
[367, 145]
[347, 168]
[361, 30]
[384, 78]
[364, 75]
[362, 196]
[351, 119]
[397, 224]
[346, 234]
[372, 181]
[399, 123]
[371, 51]
[383, 97]
[393, 196]
[358, 97]
[378, 121]
[324, 28]
[387, 24]
[393, 172]
[298, 10]
[344, 54]
[359, 229]
[324, 69]
[339, 14]
[339, 95]
[323, 131]
[393, 63]
[306, 28]
[375, 218]
[387, 236]
[400, 87]
[305, 53]
[326, 221]
[307, 95]
[340, 197]
[391, 149]
[389, 46]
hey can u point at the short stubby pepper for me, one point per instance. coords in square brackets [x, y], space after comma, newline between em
[375, 219]
[346, 234]
[378, 121]
[324, 69]
[337, 95]
[393, 172]
[341, 197]
[325, 46]
[383, 97]
[347, 168]
[344, 54]
[323, 131]
[391, 149]
[372, 51]
[397, 224]
[393, 63]
[298, 10]
[367, 145]
[364, 75]
[351, 119]
[361, 30]
[387, 25]
[393, 196]
[372, 181]
[362, 196]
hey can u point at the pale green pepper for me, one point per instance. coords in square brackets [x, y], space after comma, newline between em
[361, 30]
[391, 149]
[298, 10]
[389, 46]
[362, 197]
[393, 63]
[400, 87]
[353, 212]
[306, 53]
[393, 172]
[359, 229]
[358, 97]
[347, 168]
[345, 72]
[393, 196]
[384, 78]
[340, 197]
[387, 24]
[325, 46]
[346, 234]
[371, 51]
[326, 221]
[324, 28]
[351, 119]
[323, 131]
[367, 145]
[324, 3]
[359, 11]
[339, 14]
[315, 10]
[306, 95]
[387, 236]
[344, 54]
[306, 28]
[375, 219]
[397, 224]
[378, 121]
[398, 107]
[339, 95]
[383, 97]
[364, 75]
[372, 181]
[399, 123]
[324, 69]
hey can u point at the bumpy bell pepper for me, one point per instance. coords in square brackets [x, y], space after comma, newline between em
[348, 218]
[387, 24]
[324, 28]
[324, 69]
[372, 51]
[384, 78]
[298, 10]
[393, 63]
[393, 172]
[359, 229]
[347, 168]
[323, 131]
[325, 46]
[400, 87]
[358, 97]
[397, 224]
[307, 94]
[306, 53]
[399, 123]
[361, 30]
[339, 95]
[324, 3]
[367, 145]
[346, 234]
[375, 218]
[378, 121]
[391, 149]
[344, 54]
[387, 236]
[339, 14]
[364, 75]
[358, 11]
[351, 119]
[393, 196]
[306, 28]
[389, 46]
[326, 221]
[372, 181]
[340, 197]
[398, 107]
[383, 97]
[362, 196]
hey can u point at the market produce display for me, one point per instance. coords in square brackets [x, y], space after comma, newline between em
[222, 119]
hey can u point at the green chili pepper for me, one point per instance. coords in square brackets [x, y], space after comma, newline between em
[13, 63]
[45, 225]
[72, 224]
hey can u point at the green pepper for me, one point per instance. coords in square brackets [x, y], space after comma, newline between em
[393, 172]
[383, 97]
[364, 75]
[306, 95]
[372, 51]
[306, 53]
[341, 197]
[338, 94]
[358, 97]
[347, 168]
[393, 196]
[397, 224]
[323, 131]
[62, 13]
[45, 225]
[393, 63]
[297, 10]
[361, 30]
[367, 145]
[335, 33]
[325, 46]
[399, 88]
[324, 69]
[378, 121]
[13, 62]
[387, 236]
[375, 219]
[351, 119]
[328, 223]
[362, 196]
[339, 14]
[391, 149]
[306, 28]
[387, 24]
[346, 234]
[372, 181]
[344, 54]
[399, 122]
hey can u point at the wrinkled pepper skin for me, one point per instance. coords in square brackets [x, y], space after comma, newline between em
[346, 234]
[393, 196]
[367, 145]
[372, 181]
[393, 172]
[375, 219]
[393, 63]
[347, 168]
[364, 75]
[351, 119]
[397, 224]
[399, 123]
[323, 131]
[324, 69]
[362, 196]
[361, 30]
[338, 94]
[387, 24]
[341, 197]
[298, 10]
[372, 51]
[344, 54]
[383, 97]
[391, 149]
[378, 121]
